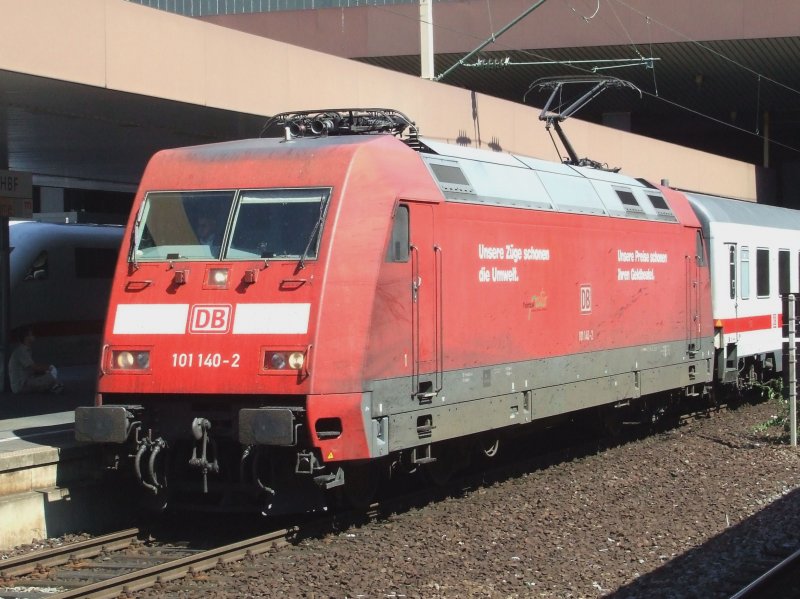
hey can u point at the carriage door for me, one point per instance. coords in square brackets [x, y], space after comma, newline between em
[693, 316]
[425, 303]
[727, 357]
[732, 301]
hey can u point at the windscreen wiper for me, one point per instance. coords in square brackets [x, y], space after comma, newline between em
[302, 264]
[132, 248]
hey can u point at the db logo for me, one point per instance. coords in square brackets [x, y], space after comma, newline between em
[213, 318]
[586, 299]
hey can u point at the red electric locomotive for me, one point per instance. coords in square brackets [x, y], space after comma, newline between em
[291, 315]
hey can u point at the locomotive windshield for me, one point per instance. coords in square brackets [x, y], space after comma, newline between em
[231, 225]
[277, 223]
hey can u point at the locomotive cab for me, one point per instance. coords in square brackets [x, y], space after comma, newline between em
[239, 329]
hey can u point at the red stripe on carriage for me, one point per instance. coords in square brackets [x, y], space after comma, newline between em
[748, 324]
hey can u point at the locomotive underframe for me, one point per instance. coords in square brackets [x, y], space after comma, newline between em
[485, 398]
[262, 450]
[743, 364]
[193, 447]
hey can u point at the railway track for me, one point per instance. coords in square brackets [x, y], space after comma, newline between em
[780, 581]
[123, 563]
[107, 566]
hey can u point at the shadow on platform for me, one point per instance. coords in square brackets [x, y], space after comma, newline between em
[79, 385]
[714, 569]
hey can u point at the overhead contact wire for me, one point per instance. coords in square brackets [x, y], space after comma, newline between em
[656, 95]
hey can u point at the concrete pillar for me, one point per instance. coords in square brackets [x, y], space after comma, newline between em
[3, 137]
[5, 267]
[426, 39]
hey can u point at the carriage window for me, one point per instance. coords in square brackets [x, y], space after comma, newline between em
[398, 244]
[745, 269]
[732, 270]
[784, 258]
[762, 272]
[38, 269]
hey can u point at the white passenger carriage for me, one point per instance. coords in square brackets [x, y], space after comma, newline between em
[755, 257]
[60, 283]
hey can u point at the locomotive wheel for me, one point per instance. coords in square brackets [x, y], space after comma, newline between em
[361, 483]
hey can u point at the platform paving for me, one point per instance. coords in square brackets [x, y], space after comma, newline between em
[49, 484]
[36, 420]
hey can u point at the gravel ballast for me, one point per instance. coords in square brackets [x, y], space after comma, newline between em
[676, 514]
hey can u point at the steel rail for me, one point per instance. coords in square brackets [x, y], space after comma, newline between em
[179, 568]
[204, 560]
[46, 558]
[755, 588]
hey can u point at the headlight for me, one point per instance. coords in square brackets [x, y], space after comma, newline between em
[130, 360]
[284, 360]
[277, 361]
[219, 276]
[216, 278]
[296, 360]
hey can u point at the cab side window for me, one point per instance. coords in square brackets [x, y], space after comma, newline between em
[38, 270]
[398, 244]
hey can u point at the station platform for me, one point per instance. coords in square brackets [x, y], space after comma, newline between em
[49, 484]
[36, 420]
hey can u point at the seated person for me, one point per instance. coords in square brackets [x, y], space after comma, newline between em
[25, 375]
[208, 234]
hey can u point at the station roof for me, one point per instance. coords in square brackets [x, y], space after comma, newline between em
[89, 89]
[718, 66]
[74, 135]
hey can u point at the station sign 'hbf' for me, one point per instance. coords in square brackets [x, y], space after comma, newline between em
[16, 194]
